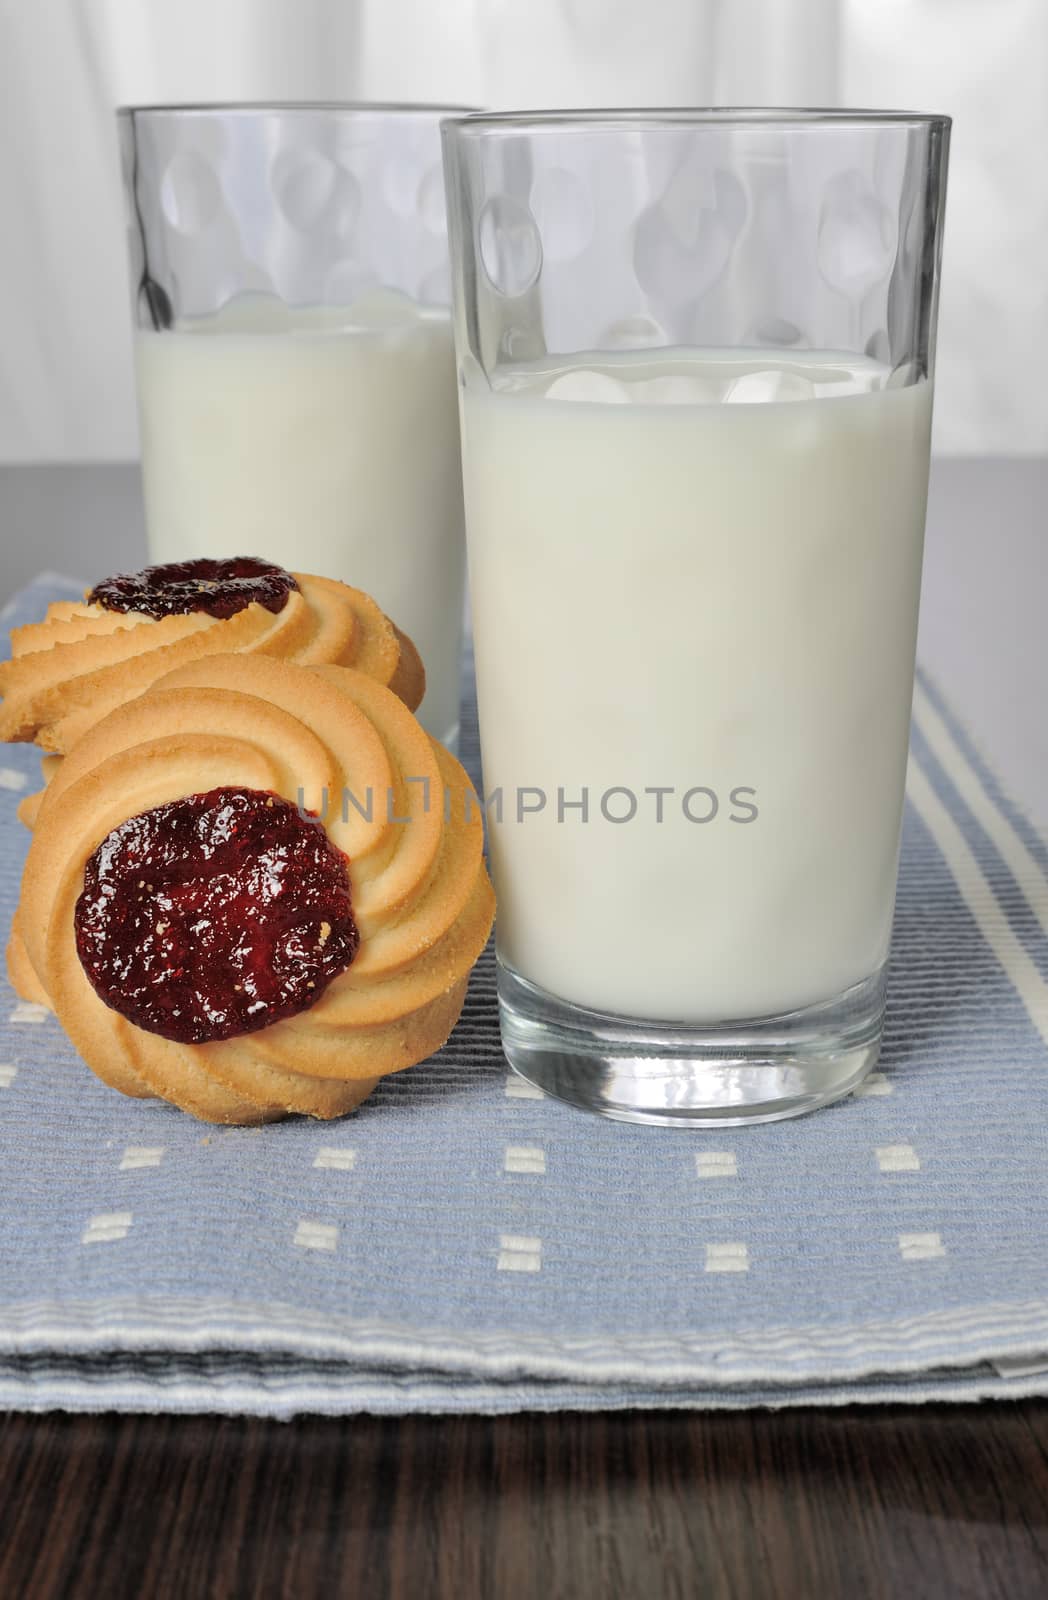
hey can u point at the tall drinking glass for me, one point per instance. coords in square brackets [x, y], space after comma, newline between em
[294, 357]
[695, 357]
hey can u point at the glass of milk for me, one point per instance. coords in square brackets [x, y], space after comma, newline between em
[695, 357]
[294, 357]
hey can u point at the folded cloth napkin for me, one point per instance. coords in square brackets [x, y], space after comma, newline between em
[464, 1244]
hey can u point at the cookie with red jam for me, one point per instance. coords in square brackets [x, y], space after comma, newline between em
[88, 657]
[254, 890]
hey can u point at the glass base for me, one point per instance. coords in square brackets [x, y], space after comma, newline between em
[688, 1075]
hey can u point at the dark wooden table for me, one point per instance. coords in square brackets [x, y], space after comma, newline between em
[917, 1502]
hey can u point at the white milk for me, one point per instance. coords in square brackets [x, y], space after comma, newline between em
[324, 439]
[692, 572]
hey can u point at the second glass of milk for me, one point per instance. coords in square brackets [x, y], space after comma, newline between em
[294, 357]
[696, 360]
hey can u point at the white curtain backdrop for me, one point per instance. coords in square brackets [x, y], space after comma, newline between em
[65, 367]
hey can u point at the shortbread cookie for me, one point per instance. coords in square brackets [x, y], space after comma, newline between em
[89, 656]
[254, 890]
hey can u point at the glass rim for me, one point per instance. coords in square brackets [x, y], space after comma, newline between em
[228, 108]
[658, 118]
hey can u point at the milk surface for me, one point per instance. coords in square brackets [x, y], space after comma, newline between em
[325, 439]
[696, 573]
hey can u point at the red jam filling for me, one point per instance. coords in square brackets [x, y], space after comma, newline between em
[221, 588]
[215, 915]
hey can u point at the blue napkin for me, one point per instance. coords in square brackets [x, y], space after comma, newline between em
[463, 1244]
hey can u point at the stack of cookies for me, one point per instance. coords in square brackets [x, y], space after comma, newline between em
[255, 884]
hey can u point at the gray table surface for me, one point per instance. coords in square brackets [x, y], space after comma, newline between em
[984, 629]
